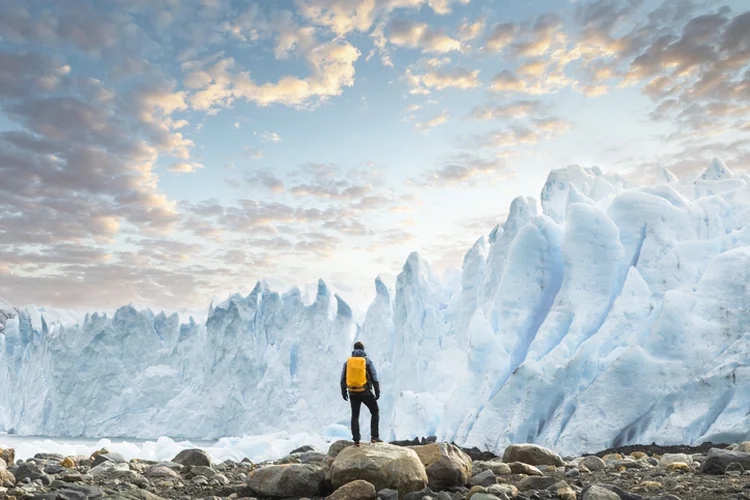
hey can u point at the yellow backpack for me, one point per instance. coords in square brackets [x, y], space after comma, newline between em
[356, 374]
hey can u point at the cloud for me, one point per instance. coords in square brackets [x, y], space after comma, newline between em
[470, 30]
[518, 109]
[331, 69]
[458, 77]
[433, 122]
[405, 33]
[270, 137]
[501, 36]
[462, 169]
[345, 16]
[184, 168]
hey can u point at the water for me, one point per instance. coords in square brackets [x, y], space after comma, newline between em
[255, 448]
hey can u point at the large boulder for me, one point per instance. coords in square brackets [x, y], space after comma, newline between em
[383, 465]
[193, 457]
[718, 459]
[673, 458]
[283, 481]
[9, 455]
[356, 490]
[532, 454]
[446, 465]
[29, 470]
[6, 478]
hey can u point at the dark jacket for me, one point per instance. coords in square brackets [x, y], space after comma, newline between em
[373, 384]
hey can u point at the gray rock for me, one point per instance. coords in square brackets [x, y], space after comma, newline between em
[356, 490]
[594, 464]
[734, 467]
[503, 490]
[718, 460]
[446, 465]
[29, 470]
[303, 449]
[485, 478]
[311, 457]
[672, 458]
[219, 480]
[573, 473]
[444, 495]
[420, 495]
[49, 457]
[337, 447]
[134, 495]
[486, 496]
[624, 495]
[522, 468]
[193, 456]
[108, 457]
[109, 469]
[388, 494]
[384, 465]
[596, 492]
[161, 472]
[53, 469]
[6, 477]
[536, 483]
[532, 454]
[199, 481]
[497, 467]
[84, 490]
[281, 481]
[200, 470]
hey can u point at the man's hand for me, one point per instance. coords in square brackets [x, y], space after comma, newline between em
[377, 395]
[345, 396]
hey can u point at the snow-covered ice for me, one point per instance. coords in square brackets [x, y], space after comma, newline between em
[605, 314]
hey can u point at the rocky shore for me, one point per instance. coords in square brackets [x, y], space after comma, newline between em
[409, 471]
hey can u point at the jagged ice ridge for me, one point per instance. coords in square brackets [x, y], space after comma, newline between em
[618, 315]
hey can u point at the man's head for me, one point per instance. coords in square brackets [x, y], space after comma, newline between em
[359, 346]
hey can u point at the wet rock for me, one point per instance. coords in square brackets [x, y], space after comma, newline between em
[536, 483]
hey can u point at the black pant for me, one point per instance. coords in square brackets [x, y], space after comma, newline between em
[371, 403]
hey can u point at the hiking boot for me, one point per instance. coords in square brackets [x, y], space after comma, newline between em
[376, 440]
[356, 443]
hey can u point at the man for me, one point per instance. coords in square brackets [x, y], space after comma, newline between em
[358, 381]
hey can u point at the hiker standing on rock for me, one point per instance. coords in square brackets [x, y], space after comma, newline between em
[359, 380]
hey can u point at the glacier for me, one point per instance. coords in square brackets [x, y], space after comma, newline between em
[602, 314]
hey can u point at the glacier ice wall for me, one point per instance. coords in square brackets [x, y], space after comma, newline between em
[604, 315]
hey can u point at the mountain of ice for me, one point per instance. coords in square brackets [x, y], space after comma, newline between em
[618, 314]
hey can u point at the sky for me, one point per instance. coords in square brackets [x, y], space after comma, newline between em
[173, 152]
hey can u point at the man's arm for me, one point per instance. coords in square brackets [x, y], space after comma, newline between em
[344, 393]
[372, 376]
